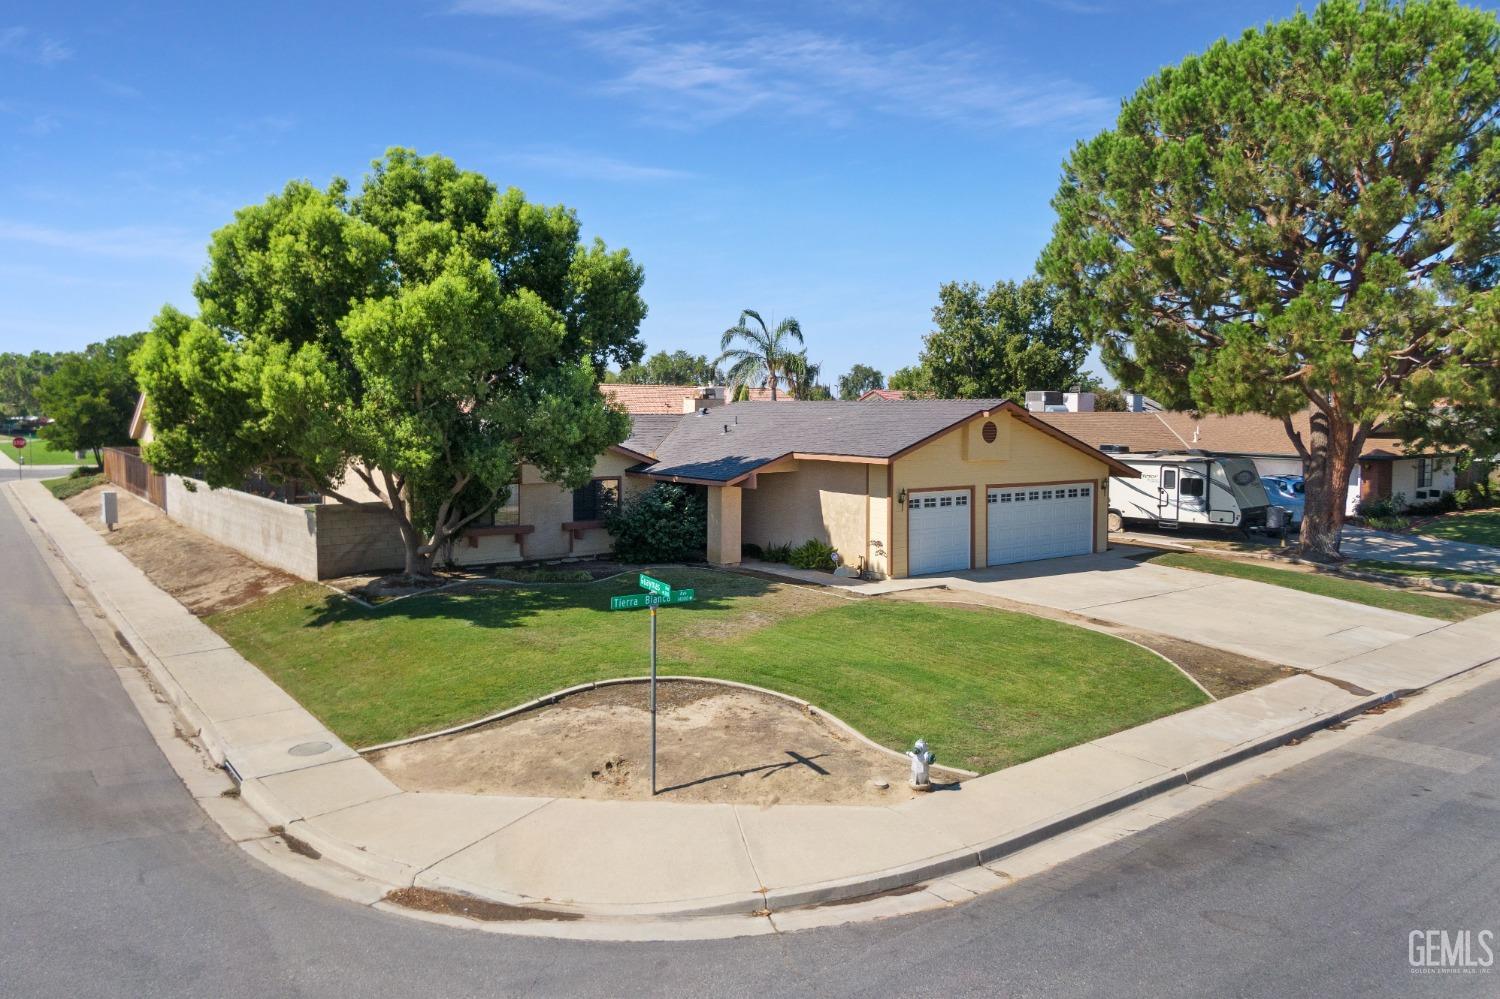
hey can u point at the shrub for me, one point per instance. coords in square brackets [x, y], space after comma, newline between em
[1385, 506]
[779, 553]
[71, 485]
[1393, 524]
[751, 550]
[666, 523]
[1464, 498]
[812, 554]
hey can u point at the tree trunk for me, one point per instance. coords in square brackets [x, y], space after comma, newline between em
[771, 381]
[1330, 459]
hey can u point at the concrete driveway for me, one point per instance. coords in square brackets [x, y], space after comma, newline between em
[1414, 549]
[1254, 619]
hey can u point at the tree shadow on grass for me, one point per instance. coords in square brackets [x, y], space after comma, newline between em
[491, 606]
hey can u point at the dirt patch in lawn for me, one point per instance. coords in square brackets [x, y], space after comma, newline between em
[1221, 673]
[715, 743]
[204, 576]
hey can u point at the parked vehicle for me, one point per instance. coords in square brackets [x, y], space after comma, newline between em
[1192, 488]
[1286, 492]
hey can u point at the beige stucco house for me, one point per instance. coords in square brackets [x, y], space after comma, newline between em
[920, 487]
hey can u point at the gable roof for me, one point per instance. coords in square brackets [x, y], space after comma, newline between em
[730, 442]
[1250, 434]
[648, 430]
[883, 394]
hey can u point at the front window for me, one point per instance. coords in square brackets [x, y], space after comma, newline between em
[506, 514]
[595, 500]
[1424, 473]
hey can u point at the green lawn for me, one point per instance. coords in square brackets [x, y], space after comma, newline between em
[69, 486]
[37, 452]
[1427, 572]
[1479, 527]
[986, 688]
[1352, 590]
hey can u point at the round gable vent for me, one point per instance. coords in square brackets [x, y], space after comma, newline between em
[989, 432]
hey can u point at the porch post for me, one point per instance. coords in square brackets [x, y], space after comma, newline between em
[724, 525]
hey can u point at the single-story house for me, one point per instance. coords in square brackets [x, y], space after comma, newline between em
[927, 486]
[1385, 467]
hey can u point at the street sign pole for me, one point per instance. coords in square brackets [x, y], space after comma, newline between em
[653, 698]
[657, 593]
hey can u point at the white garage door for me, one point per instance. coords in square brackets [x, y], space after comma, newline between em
[938, 529]
[1032, 522]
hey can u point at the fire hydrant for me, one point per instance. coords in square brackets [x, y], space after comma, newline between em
[921, 760]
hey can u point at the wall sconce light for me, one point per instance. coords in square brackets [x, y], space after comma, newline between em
[901, 498]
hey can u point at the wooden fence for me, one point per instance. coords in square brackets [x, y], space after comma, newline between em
[123, 466]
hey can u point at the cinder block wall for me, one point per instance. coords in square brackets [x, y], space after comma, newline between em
[277, 534]
[353, 539]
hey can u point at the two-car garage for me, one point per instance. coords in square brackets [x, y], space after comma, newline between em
[1023, 523]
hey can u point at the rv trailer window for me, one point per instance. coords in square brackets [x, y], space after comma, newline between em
[1192, 486]
[1169, 478]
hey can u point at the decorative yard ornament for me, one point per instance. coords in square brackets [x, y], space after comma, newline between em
[921, 761]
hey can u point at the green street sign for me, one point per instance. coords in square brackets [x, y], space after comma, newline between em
[632, 601]
[679, 597]
[654, 585]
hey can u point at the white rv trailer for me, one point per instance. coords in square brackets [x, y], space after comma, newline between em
[1191, 488]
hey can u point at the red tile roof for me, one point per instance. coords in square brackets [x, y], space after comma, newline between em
[885, 395]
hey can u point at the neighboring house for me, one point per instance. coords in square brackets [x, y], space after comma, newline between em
[928, 486]
[883, 395]
[1385, 468]
[677, 398]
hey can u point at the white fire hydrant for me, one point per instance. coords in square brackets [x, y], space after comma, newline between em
[921, 761]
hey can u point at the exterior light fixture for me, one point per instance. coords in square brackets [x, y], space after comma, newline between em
[901, 497]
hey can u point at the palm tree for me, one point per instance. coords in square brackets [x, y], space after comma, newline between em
[802, 378]
[766, 354]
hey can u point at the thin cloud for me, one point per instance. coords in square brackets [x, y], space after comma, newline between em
[592, 166]
[28, 46]
[813, 74]
[120, 242]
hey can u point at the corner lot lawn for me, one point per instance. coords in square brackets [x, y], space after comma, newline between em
[1327, 585]
[1478, 527]
[37, 452]
[987, 689]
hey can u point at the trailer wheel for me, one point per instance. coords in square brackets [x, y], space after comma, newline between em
[1116, 522]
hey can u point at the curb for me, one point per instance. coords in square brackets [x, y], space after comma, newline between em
[850, 889]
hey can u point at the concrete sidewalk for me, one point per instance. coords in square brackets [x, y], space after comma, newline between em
[1418, 550]
[605, 859]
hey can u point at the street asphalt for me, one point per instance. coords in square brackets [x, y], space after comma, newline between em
[114, 883]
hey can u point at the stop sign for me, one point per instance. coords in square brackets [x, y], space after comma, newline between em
[18, 442]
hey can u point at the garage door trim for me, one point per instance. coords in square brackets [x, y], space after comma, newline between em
[1093, 526]
[973, 534]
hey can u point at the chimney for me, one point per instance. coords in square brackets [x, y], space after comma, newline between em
[1135, 402]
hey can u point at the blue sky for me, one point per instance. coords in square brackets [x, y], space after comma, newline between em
[835, 161]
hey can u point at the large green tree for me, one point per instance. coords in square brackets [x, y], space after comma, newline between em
[998, 342]
[21, 376]
[1301, 219]
[858, 380]
[677, 368]
[91, 396]
[425, 338]
[765, 354]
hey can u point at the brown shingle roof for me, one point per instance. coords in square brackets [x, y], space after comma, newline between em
[1243, 433]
